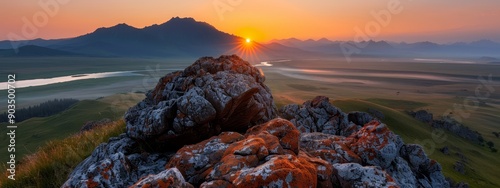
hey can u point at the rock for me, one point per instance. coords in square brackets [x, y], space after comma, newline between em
[376, 113]
[422, 116]
[355, 175]
[365, 141]
[318, 115]
[445, 150]
[332, 148]
[454, 184]
[214, 125]
[376, 145]
[449, 124]
[207, 98]
[89, 125]
[427, 171]
[359, 118]
[267, 155]
[116, 164]
[459, 166]
[167, 178]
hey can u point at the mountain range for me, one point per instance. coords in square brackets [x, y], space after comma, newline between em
[178, 37]
[186, 37]
[481, 48]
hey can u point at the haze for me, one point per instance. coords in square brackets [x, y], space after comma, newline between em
[424, 20]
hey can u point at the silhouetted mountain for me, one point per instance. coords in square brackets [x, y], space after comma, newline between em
[178, 37]
[34, 51]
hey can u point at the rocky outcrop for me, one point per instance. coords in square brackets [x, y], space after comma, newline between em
[449, 124]
[117, 163]
[267, 155]
[214, 125]
[370, 143]
[208, 97]
[318, 115]
[355, 175]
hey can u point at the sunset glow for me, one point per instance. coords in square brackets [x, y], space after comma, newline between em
[335, 20]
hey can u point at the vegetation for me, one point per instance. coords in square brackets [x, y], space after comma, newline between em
[52, 163]
[44, 109]
[478, 173]
[35, 132]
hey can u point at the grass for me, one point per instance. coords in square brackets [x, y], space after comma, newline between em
[34, 132]
[479, 171]
[52, 163]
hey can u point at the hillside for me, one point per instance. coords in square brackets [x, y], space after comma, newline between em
[215, 124]
[36, 51]
[35, 132]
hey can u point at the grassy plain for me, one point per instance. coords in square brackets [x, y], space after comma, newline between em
[389, 85]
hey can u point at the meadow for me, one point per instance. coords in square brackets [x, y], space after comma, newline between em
[391, 86]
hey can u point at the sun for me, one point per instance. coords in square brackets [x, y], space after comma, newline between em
[248, 40]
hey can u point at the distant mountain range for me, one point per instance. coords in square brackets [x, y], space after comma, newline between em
[178, 37]
[481, 48]
[186, 37]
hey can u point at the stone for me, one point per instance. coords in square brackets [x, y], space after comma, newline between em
[116, 164]
[267, 155]
[355, 175]
[167, 178]
[318, 115]
[207, 98]
[376, 145]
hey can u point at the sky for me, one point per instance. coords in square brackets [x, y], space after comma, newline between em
[440, 21]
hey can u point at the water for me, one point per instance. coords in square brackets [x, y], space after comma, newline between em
[62, 79]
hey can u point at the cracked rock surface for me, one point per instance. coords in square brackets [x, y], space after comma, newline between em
[215, 125]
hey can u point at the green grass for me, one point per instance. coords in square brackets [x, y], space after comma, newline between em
[481, 168]
[398, 104]
[52, 163]
[34, 132]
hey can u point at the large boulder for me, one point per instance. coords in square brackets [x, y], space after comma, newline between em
[207, 98]
[355, 175]
[117, 163]
[318, 115]
[214, 125]
[267, 155]
[357, 138]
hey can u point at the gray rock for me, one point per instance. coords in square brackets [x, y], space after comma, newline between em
[459, 166]
[318, 115]
[115, 164]
[359, 118]
[422, 116]
[167, 178]
[376, 113]
[355, 175]
[208, 97]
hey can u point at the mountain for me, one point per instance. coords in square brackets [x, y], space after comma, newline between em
[418, 49]
[178, 37]
[34, 51]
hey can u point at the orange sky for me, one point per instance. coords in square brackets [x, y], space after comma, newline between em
[263, 20]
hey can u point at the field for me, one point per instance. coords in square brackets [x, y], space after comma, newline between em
[35, 132]
[397, 95]
[389, 85]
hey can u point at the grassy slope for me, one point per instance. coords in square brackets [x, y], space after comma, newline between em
[52, 163]
[34, 132]
[479, 171]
